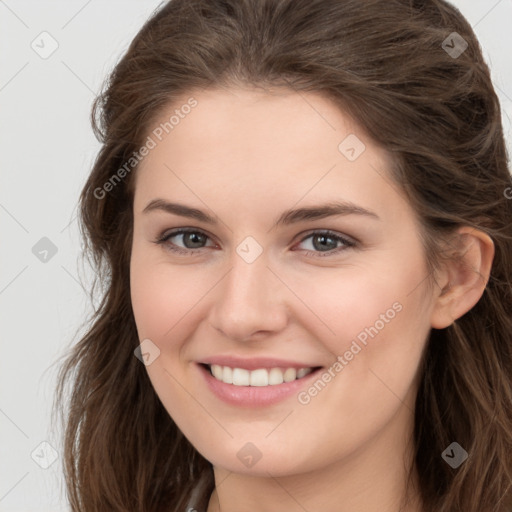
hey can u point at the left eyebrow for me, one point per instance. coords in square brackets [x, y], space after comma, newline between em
[322, 211]
[288, 217]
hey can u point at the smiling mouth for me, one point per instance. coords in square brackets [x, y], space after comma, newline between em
[260, 377]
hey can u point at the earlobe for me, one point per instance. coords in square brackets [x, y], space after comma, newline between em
[464, 276]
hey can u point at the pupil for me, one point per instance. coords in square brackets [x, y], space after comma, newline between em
[323, 239]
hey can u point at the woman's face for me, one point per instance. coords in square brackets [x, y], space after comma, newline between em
[269, 279]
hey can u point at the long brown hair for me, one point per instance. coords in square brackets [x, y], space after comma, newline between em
[388, 63]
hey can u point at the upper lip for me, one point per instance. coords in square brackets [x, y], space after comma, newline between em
[254, 363]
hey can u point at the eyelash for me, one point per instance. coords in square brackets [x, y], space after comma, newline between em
[163, 239]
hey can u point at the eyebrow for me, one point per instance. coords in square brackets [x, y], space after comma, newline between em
[288, 217]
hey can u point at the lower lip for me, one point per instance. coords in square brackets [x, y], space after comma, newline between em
[255, 396]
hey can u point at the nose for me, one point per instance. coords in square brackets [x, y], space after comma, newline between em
[250, 301]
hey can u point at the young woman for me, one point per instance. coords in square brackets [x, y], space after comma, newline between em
[301, 218]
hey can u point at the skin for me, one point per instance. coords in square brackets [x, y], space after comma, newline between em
[244, 156]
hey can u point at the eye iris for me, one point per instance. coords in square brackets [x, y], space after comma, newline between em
[193, 238]
[322, 240]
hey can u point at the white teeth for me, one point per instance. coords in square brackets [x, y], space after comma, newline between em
[260, 377]
[217, 371]
[290, 374]
[303, 372]
[241, 377]
[227, 375]
[275, 376]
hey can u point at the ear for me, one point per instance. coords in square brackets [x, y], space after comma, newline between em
[464, 276]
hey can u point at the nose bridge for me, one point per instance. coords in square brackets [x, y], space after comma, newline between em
[247, 284]
[247, 300]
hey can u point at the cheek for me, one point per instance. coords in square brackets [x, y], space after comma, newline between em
[149, 302]
[354, 303]
[376, 319]
[160, 295]
[380, 329]
[162, 301]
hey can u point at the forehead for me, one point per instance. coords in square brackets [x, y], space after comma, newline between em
[250, 121]
[264, 146]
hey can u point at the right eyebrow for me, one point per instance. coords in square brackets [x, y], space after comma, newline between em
[179, 209]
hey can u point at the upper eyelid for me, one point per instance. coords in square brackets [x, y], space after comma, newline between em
[180, 231]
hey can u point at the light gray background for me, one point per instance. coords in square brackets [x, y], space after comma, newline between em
[47, 149]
